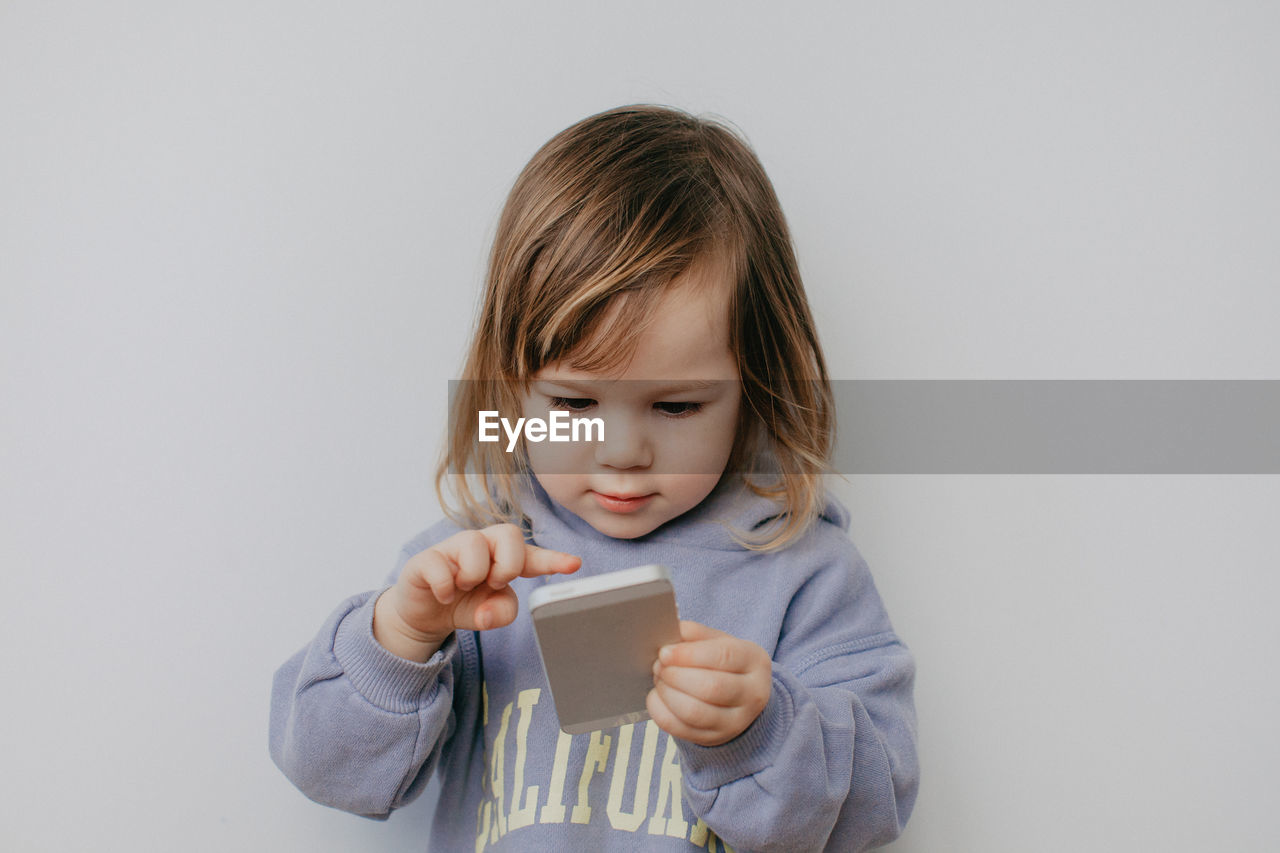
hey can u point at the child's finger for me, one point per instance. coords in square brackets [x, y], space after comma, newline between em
[543, 561]
[496, 611]
[723, 689]
[690, 630]
[435, 572]
[666, 720]
[506, 543]
[469, 553]
[690, 710]
[708, 654]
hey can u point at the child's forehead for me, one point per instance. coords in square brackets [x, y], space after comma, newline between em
[712, 269]
[683, 337]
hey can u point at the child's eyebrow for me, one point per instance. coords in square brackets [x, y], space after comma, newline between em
[660, 388]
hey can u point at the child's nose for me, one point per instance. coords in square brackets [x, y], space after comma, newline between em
[625, 445]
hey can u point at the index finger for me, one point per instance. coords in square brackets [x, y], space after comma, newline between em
[544, 561]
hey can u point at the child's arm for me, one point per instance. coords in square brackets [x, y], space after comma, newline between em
[830, 761]
[355, 727]
[360, 717]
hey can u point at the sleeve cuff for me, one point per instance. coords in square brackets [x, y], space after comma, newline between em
[709, 767]
[386, 680]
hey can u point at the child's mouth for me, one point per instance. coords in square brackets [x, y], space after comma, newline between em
[618, 503]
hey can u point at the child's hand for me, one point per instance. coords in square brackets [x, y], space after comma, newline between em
[461, 583]
[710, 687]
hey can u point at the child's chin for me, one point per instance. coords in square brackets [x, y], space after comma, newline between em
[622, 527]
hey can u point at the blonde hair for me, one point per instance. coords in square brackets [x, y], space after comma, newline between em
[605, 216]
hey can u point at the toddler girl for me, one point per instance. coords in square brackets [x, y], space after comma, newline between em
[642, 274]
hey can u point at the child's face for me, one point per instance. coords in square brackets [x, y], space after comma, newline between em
[664, 447]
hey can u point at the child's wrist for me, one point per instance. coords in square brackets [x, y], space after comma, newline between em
[398, 638]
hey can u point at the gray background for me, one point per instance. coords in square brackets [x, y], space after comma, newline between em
[240, 247]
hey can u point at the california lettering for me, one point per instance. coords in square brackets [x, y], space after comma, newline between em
[568, 796]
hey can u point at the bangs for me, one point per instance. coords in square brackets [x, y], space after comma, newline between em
[600, 329]
[606, 340]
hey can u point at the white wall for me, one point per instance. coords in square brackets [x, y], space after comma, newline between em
[239, 249]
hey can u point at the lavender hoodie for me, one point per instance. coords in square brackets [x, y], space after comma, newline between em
[830, 764]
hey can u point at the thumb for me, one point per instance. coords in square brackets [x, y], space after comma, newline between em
[497, 610]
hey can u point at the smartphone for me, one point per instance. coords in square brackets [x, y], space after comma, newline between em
[598, 638]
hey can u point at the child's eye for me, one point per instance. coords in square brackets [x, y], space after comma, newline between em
[573, 404]
[678, 410]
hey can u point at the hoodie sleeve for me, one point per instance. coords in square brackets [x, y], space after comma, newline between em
[354, 726]
[830, 764]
